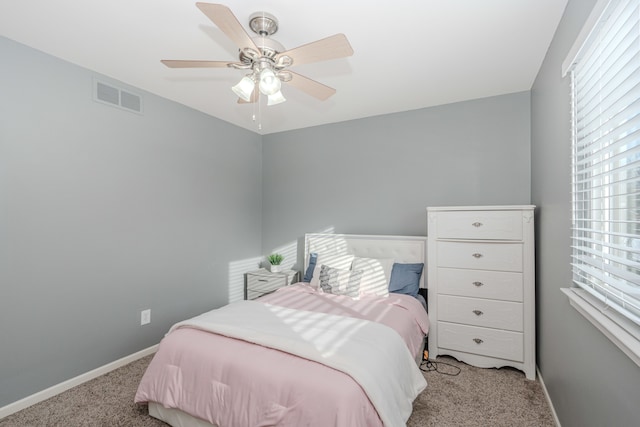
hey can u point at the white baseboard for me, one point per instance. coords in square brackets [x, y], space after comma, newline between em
[21, 404]
[546, 394]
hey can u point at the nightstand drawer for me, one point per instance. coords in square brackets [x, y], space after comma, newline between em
[264, 284]
[484, 341]
[481, 312]
[481, 225]
[480, 256]
[500, 285]
[261, 282]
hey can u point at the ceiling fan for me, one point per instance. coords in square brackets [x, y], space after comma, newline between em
[265, 59]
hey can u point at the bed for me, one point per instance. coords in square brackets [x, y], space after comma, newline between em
[337, 348]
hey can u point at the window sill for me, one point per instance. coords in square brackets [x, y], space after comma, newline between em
[607, 321]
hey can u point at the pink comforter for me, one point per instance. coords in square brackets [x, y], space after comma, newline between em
[230, 382]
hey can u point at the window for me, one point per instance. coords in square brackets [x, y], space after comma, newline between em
[605, 89]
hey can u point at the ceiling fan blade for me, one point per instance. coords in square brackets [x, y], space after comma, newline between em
[194, 64]
[336, 46]
[311, 87]
[222, 16]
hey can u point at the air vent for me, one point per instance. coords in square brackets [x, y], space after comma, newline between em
[130, 101]
[106, 93]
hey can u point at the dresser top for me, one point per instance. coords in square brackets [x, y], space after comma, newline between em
[481, 208]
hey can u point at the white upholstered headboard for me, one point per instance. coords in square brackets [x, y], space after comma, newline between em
[403, 249]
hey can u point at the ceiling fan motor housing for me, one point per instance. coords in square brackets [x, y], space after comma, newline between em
[263, 23]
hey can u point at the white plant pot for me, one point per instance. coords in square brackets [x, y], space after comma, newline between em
[274, 268]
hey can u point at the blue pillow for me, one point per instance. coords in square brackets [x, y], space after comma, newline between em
[308, 275]
[405, 278]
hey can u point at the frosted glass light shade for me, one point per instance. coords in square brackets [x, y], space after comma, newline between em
[244, 88]
[269, 82]
[276, 98]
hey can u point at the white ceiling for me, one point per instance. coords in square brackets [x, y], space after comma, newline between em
[409, 54]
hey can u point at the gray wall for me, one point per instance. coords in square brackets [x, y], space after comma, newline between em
[590, 381]
[104, 213]
[377, 175]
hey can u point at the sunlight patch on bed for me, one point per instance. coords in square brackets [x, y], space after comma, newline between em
[311, 327]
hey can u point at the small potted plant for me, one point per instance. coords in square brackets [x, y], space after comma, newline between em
[274, 262]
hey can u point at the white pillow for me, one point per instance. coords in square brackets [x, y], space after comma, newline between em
[340, 282]
[377, 273]
[342, 262]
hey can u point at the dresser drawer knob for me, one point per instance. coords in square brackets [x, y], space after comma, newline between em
[478, 312]
[477, 224]
[477, 255]
[477, 284]
[478, 341]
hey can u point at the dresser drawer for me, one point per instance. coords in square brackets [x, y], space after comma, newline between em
[500, 285]
[484, 341]
[481, 312]
[480, 225]
[480, 256]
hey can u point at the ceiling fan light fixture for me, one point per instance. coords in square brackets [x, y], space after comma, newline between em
[265, 59]
[276, 98]
[269, 82]
[244, 88]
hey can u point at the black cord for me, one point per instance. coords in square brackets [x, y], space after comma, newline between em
[430, 366]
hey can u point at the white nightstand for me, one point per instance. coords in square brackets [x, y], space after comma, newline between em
[261, 282]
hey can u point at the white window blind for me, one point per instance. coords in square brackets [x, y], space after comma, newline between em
[606, 160]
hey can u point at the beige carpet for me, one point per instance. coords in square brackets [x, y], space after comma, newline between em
[475, 397]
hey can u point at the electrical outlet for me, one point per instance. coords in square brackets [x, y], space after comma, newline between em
[145, 316]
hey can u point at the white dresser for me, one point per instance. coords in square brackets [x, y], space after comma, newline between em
[481, 285]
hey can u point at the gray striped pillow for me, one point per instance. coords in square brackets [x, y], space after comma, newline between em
[340, 282]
